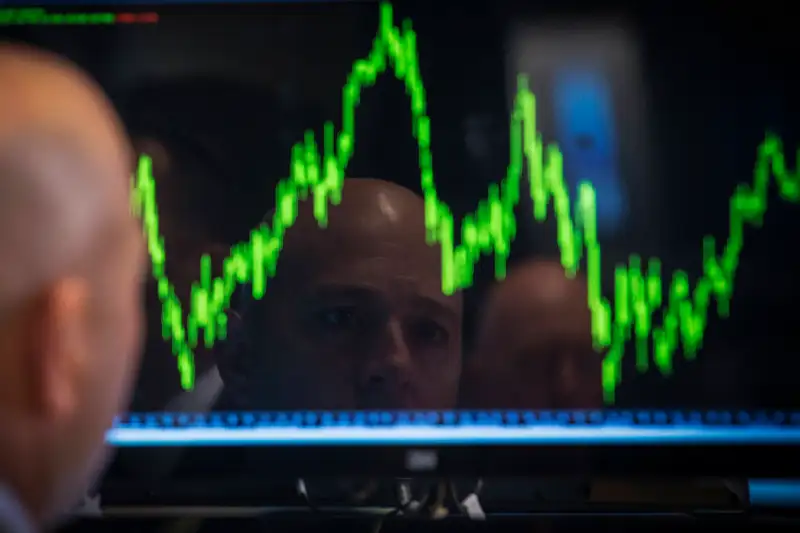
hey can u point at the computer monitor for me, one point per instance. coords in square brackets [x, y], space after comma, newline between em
[440, 241]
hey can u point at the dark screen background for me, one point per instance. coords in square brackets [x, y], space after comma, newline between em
[233, 87]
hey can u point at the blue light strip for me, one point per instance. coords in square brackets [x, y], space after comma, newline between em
[442, 435]
[775, 492]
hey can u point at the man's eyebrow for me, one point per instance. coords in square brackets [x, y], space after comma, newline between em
[437, 307]
[336, 290]
[366, 292]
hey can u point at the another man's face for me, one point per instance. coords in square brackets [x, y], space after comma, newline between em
[534, 345]
[360, 323]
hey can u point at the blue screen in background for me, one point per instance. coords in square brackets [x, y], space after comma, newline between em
[587, 136]
[775, 492]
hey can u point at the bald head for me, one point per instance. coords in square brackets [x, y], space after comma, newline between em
[64, 169]
[69, 276]
[355, 317]
[534, 345]
[373, 217]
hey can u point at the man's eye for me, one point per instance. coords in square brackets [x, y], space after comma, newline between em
[338, 317]
[430, 332]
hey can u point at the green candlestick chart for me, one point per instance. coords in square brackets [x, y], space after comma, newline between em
[641, 293]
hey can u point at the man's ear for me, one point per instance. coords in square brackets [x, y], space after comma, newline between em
[58, 336]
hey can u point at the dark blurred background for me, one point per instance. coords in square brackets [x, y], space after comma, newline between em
[694, 86]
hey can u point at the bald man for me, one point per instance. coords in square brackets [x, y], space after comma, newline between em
[355, 317]
[534, 347]
[533, 350]
[72, 262]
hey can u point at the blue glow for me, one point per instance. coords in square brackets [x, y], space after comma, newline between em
[587, 136]
[775, 492]
[455, 435]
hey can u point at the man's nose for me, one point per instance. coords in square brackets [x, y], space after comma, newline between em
[387, 366]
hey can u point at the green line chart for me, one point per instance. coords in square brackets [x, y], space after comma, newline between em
[658, 316]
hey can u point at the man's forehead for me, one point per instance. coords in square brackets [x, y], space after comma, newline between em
[358, 234]
[327, 255]
[348, 225]
[408, 293]
[402, 268]
[410, 268]
[377, 230]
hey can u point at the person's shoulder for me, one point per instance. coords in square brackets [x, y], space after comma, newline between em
[13, 517]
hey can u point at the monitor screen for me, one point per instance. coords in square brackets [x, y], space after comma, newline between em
[493, 225]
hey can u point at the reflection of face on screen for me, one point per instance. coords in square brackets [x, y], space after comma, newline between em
[355, 317]
[534, 345]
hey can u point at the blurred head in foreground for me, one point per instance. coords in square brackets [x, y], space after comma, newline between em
[534, 347]
[72, 263]
[355, 317]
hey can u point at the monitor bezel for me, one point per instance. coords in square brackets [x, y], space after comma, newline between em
[586, 462]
